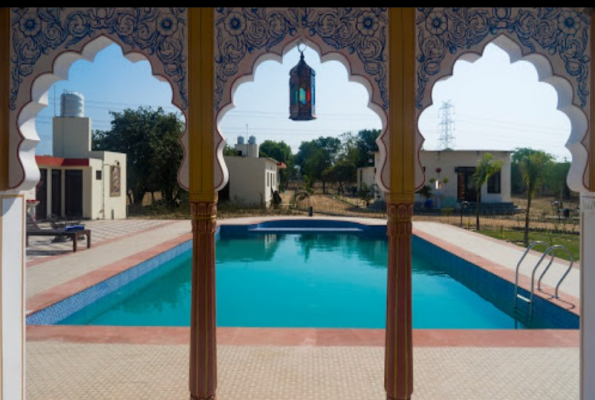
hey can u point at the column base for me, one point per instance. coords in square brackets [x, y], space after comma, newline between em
[395, 398]
[203, 398]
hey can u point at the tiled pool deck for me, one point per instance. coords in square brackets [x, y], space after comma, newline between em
[69, 362]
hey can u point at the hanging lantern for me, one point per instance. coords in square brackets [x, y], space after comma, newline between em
[301, 91]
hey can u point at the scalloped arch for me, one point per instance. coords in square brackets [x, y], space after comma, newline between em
[560, 57]
[247, 37]
[42, 54]
[278, 57]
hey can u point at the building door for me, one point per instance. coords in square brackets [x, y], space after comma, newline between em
[73, 204]
[465, 190]
[41, 195]
[57, 192]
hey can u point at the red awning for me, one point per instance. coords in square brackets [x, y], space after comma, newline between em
[61, 162]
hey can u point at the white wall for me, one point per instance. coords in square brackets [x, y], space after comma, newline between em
[587, 296]
[116, 205]
[449, 160]
[365, 175]
[12, 296]
[71, 137]
[251, 179]
[96, 193]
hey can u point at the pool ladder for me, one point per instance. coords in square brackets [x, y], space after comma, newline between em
[549, 251]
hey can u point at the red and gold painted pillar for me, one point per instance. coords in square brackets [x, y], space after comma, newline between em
[203, 345]
[398, 378]
[399, 350]
[203, 200]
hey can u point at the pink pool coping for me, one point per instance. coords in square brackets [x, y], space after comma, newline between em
[292, 336]
[68, 252]
[313, 337]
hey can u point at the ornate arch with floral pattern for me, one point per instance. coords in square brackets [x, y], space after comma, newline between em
[46, 41]
[555, 40]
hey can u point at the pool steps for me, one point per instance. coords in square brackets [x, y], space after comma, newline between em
[549, 251]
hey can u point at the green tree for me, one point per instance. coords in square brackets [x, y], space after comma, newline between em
[229, 151]
[365, 194]
[556, 180]
[516, 180]
[360, 148]
[342, 173]
[279, 151]
[366, 146]
[534, 167]
[150, 139]
[485, 169]
[315, 156]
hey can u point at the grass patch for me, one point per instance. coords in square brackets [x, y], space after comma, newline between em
[570, 241]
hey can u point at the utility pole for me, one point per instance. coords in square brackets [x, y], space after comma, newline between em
[447, 126]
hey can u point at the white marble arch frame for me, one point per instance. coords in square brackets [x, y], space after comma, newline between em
[46, 41]
[549, 57]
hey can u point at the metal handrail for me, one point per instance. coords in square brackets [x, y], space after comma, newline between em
[551, 249]
[516, 278]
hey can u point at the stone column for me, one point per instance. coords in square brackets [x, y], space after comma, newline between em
[12, 246]
[12, 296]
[587, 296]
[588, 251]
[398, 373]
[203, 344]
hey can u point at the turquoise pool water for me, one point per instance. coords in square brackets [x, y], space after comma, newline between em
[321, 280]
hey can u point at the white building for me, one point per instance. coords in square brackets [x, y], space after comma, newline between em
[252, 179]
[449, 173]
[77, 181]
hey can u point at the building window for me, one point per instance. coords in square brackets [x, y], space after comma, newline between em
[98, 175]
[494, 183]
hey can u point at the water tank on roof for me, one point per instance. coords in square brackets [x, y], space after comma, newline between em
[240, 140]
[252, 140]
[72, 104]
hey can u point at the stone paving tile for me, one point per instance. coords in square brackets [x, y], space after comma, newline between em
[57, 271]
[101, 230]
[65, 371]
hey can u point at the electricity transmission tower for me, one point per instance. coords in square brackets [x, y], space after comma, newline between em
[447, 126]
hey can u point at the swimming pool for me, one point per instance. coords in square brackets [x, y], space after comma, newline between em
[294, 274]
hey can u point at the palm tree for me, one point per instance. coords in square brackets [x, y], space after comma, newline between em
[534, 167]
[487, 167]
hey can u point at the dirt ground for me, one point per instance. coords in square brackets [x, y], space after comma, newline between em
[542, 216]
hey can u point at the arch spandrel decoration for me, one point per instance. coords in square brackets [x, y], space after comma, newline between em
[554, 40]
[46, 41]
[356, 37]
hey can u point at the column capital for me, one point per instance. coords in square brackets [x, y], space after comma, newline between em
[206, 197]
[399, 197]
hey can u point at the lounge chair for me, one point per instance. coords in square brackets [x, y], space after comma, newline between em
[73, 232]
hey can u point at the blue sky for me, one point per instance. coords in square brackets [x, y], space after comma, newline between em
[497, 105]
